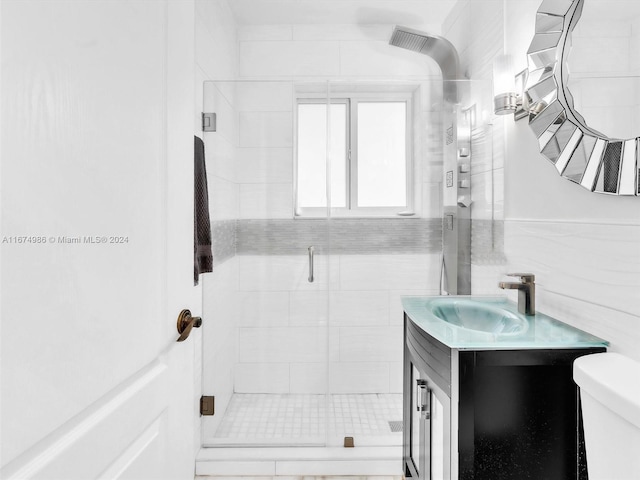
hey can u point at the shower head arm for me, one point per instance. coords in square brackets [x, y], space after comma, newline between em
[436, 47]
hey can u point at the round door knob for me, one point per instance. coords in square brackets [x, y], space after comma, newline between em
[185, 323]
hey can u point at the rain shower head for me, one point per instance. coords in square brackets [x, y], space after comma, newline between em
[404, 37]
[438, 48]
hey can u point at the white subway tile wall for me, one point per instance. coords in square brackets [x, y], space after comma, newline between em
[359, 308]
[265, 33]
[265, 165]
[262, 377]
[287, 59]
[287, 320]
[342, 32]
[266, 200]
[390, 272]
[265, 129]
[263, 309]
[260, 273]
[308, 378]
[378, 59]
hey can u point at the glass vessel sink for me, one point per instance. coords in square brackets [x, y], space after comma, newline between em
[478, 322]
[480, 316]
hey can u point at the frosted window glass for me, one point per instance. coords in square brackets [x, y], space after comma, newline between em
[312, 155]
[382, 161]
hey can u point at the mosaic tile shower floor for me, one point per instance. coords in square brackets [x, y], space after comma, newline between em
[264, 417]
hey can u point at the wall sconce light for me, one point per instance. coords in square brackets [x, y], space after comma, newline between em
[508, 89]
[505, 98]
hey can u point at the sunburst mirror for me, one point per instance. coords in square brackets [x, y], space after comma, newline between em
[579, 152]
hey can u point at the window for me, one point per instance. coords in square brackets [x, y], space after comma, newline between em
[363, 146]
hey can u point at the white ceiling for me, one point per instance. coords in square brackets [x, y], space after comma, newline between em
[358, 12]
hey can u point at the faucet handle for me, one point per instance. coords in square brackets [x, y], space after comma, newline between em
[524, 277]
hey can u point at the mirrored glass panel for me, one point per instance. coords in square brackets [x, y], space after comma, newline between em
[610, 170]
[583, 91]
[578, 162]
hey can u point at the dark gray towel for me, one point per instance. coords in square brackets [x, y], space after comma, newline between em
[202, 255]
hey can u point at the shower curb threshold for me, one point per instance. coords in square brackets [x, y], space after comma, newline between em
[299, 461]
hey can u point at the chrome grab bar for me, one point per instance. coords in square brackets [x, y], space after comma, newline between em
[311, 264]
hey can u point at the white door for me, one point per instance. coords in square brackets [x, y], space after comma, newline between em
[96, 195]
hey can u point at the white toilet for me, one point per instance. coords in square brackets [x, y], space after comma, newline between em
[610, 394]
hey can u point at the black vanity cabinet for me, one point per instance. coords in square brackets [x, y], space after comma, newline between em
[490, 414]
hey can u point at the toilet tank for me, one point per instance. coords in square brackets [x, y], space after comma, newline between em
[610, 395]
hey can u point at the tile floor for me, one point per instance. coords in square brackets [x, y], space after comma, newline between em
[266, 417]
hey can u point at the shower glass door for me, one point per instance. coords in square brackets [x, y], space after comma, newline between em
[266, 339]
[385, 242]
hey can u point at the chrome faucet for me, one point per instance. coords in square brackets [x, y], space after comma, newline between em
[526, 291]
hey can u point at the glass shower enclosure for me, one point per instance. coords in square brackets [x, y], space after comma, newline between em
[325, 210]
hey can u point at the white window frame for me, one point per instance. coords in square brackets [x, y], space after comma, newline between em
[352, 209]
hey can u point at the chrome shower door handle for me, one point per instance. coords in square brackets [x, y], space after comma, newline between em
[310, 264]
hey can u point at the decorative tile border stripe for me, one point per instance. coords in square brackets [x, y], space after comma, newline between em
[339, 236]
[223, 240]
[487, 242]
[350, 237]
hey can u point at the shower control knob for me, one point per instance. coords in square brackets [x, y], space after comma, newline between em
[464, 168]
[464, 183]
[463, 201]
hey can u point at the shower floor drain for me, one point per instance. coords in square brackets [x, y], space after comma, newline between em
[395, 426]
